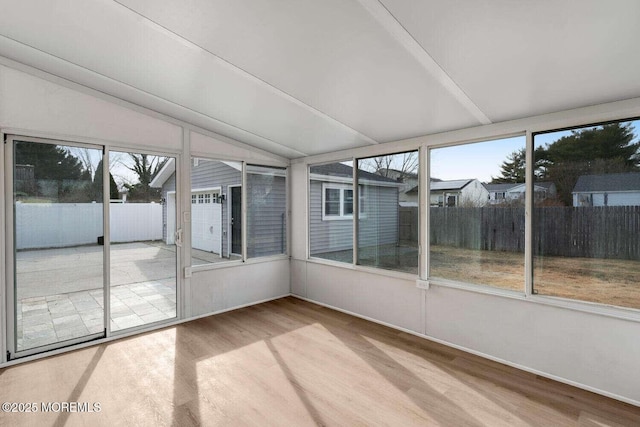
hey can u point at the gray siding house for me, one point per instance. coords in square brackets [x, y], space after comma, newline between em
[212, 184]
[216, 207]
[331, 209]
[613, 189]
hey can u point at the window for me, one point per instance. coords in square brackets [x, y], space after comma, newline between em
[338, 202]
[388, 194]
[332, 202]
[473, 238]
[216, 223]
[586, 231]
[266, 211]
[331, 211]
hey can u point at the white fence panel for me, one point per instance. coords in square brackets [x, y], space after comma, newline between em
[55, 225]
[136, 222]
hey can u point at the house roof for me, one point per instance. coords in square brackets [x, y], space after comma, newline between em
[456, 184]
[340, 169]
[439, 185]
[497, 188]
[500, 187]
[608, 182]
[170, 167]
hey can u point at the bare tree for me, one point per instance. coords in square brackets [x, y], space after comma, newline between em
[395, 166]
[146, 168]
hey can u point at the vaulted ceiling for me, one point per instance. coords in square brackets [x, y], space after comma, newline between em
[302, 77]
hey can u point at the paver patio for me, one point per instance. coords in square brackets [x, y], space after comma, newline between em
[60, 295]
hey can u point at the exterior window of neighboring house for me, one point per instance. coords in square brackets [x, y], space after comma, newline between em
[347, 202]
[591, 230]
[193, 199]
[474, 244]
[200, 198]
[332, 201]
[207, 198]
[338, 201]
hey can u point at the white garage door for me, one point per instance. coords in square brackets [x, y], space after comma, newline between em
[206, 222]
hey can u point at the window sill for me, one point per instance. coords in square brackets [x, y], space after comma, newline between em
[237, 263]
[615, 312]
[365, 269]
[482, 289]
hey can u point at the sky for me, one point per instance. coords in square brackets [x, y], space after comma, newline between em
[483, 160]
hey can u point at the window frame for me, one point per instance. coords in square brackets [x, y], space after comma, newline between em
[580, 118]
[342, 188]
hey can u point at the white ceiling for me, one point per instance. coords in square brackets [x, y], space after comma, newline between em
[302, 77]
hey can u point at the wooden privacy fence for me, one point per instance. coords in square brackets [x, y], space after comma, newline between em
[591, 232]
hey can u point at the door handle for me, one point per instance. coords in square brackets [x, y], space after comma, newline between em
[178, 237]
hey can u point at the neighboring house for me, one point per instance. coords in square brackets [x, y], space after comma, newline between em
[409, 181]
[458, 192]
[331, 208]
[215, 194]
[614, 189]
[508, 193]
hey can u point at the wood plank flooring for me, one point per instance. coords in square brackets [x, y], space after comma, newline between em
[292, 363]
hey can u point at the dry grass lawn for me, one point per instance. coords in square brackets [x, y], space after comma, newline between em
[605, 281]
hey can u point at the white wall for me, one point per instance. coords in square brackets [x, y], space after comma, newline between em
[39, 106]
[594, 348]
[227, 287]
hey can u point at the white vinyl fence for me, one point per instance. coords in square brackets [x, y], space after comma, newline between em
[55, 225]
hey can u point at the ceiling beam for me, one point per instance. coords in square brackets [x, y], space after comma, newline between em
[389, 22]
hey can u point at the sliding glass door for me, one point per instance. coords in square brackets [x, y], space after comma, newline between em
[73, 275]
[143, 240]
[56, 209]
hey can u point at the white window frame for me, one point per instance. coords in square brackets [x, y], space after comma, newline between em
[342, 188]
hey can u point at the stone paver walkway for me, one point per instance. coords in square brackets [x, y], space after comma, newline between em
[54, 318]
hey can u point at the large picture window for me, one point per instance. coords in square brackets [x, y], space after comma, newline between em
[586, 240]
[477, 195]
[331, 211]
[389, 213]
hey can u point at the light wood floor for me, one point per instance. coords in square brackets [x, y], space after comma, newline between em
[292, 363]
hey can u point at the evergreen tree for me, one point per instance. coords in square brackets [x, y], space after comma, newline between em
[513, 170]
[57, 174]
[96, 187]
